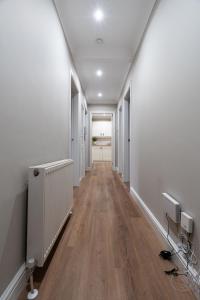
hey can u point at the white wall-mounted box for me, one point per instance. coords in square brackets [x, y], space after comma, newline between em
[186, 222]
[171, 207]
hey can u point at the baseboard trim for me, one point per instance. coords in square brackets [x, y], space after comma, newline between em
[157, 225]
[117, 169]
[16, 286]
[88, 169]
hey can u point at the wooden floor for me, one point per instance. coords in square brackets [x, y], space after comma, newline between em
[108, 250]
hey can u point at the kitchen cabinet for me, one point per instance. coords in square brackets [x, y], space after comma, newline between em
[101, 153]
[96, 153]
[102, 128]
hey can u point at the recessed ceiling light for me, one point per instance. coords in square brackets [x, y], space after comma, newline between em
[100, 95]
[98, 15]
[99, 73]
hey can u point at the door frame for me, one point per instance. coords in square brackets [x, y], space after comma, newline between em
[121, 135]
[120, 139]
[113, 112]
[76, 154]
[126, 135]
[132, 127]
[83, 140]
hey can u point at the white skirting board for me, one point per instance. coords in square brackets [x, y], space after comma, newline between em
[16, 286]
[88, 169]
[181, 260]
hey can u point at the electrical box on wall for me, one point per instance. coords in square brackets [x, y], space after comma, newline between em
[186, 222]
[171, 207]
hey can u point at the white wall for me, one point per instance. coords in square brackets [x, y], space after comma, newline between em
[34, 112]
[165, 110]
[102, 108]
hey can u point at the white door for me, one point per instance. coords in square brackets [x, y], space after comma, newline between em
[120, 142]
[82, 142]
[126, 168]
[75, 147]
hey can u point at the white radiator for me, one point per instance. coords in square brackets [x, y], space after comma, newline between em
[50, 199]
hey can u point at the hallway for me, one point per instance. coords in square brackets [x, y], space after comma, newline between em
[108, 250]
[99, 106]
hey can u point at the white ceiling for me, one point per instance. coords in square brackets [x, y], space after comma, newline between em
[121, 30]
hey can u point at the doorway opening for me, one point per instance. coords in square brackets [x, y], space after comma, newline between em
[74, 132]
[126, 173]
[102, 137]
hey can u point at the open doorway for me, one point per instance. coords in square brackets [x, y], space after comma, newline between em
[126, 169]
[74, 133]
[102, 137]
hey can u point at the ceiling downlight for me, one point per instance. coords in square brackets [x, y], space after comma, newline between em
[99, 73]
[98, 15]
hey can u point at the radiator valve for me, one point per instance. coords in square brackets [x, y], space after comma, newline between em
[33, 292]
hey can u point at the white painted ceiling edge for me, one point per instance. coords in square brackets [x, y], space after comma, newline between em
[74, 71]
[122, 30]
[127, 83]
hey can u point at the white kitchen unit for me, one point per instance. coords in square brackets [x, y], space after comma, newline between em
[101, 153]
[96, 153]
[101, 128]
[107, 153]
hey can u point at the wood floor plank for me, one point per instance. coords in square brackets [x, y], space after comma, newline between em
[108, 250]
